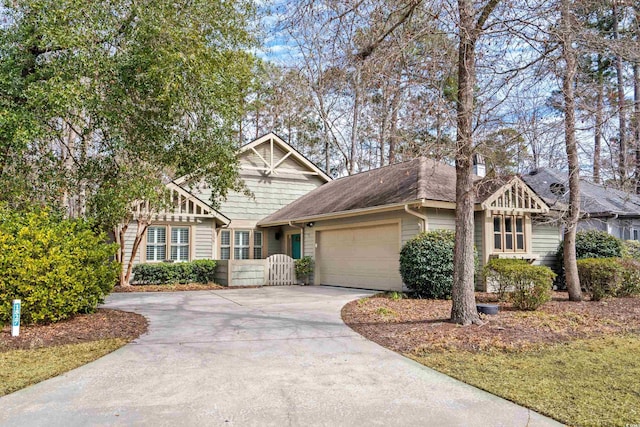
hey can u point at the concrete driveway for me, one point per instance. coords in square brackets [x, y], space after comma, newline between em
[269, 356]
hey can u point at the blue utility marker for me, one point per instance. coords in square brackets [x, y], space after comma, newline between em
[15, 319]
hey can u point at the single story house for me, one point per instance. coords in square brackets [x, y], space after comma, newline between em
[353, 227]
[602, 208]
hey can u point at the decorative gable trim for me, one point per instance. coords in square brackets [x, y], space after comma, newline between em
[185, 207]
[515, 196]
[272, 165]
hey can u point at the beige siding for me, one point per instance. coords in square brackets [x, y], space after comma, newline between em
[309, 242]
[411, 226]
[270, 192]
[478, 234]
[204, 239]
[545, 240]
[441, 219]
[129, 237]
[242, 272]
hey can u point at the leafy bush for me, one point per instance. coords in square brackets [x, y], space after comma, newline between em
[601, 277]
[631, 249]
[204, 271]
[426, 263]
[168, 273]
[56, 267]
[498, 272]
[304, 268]
[589, 244]
[528, 286]
[630, 280]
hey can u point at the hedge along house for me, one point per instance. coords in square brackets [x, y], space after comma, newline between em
[355, 226]
[601, 208]
[276, 175]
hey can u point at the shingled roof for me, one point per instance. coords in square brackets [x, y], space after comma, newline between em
[596, 200]
[408, 182]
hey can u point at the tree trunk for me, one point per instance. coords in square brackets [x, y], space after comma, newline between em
[573, 214]
[354, 123]
[636, 102]
[119, 234]
[142, 228]
[463, 310]
[393, 133]
[597, 140]
[622, 167]
[636, 124]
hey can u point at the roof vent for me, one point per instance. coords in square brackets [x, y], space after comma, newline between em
[533, 172]
[557, 188]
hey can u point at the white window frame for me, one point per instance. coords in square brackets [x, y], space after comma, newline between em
[181, 247]
[155, 244]
[224, 245]
[240, 246]
[256, 246]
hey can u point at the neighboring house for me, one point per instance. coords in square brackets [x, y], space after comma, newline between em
[602, 208]
[353, 227]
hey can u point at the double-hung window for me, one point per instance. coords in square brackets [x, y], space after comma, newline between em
[225, 244]
[257, 245]
[508, 233]
[159, 248]
[180, 243]
[241, 245]
[156, 243]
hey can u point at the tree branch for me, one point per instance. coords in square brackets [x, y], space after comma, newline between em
[368, 50]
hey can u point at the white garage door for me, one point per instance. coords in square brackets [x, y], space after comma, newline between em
[363, 257]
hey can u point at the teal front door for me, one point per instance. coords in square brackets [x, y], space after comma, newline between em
[295, 246]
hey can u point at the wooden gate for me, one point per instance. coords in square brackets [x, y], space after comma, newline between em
[281, 270]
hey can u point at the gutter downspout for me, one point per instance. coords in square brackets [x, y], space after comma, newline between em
[425, 220]
[301, 228]
[614, 217]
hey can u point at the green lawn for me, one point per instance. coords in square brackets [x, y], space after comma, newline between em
[592, 382]
[21, 368]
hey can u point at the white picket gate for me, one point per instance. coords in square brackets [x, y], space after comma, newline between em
[281, 270]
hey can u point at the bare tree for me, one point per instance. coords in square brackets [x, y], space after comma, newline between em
[566, 38]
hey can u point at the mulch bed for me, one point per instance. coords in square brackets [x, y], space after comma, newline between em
[414, 325]
[102, 324]
[168, 288]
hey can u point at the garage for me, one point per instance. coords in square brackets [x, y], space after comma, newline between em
[359, 257]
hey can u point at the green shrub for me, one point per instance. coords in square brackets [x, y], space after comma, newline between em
[631, 249]
[169, 273]
[499, 271]
[589, 244]
[304, 268]
[204, 271]
[601, 277]
[630, 280]
[426, 264]
[56, 267]
[527, 286]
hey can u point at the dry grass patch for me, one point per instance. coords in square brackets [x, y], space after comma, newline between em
[576, 362]
[45, 351]
[583, 383]
[21, 368]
